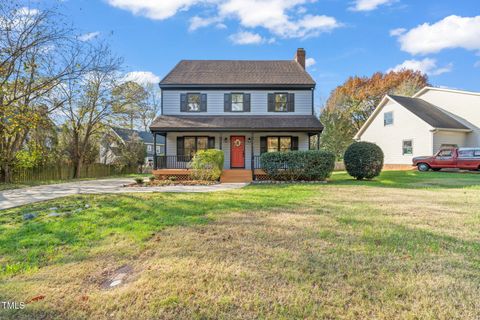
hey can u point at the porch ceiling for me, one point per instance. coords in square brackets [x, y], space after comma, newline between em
[296, 123]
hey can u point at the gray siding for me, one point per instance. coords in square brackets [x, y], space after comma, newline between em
[215, 104]
[172, 143]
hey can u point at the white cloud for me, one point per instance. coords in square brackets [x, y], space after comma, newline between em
[310, 62]
[451, 32]
[273, 16]
[427, 65]
[199, 22]
[284, 18]
[369, 5]
[397, 32]
[154, 9]
[88, 36]
[141, 77]
[245, 37]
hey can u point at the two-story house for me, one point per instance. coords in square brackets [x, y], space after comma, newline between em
[434, 118]
[244, 108]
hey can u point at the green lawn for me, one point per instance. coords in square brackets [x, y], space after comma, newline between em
[403, 246]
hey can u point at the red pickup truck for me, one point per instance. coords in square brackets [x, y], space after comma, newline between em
[462, 158]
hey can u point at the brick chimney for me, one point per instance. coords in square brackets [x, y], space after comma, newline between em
[300, 57]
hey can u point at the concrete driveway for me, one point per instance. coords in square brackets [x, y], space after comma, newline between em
[20, 197]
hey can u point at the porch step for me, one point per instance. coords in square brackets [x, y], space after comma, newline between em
[234, 176]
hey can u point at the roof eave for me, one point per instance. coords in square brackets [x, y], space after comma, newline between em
[180, 86]
[367, 123]
[203, 129]
[452, 129]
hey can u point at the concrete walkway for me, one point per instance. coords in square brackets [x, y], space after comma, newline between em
[20, 197]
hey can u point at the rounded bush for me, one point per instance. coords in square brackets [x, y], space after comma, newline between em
[298, 165]
[207, 165]
[363, 160]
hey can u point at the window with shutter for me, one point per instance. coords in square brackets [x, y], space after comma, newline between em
[271, 102]
[187, 147]
[277, 143]
[279, 102]
[227, 102]
[183, 102]
[237, 102]
[246, 102]
[203, 103]
[263, 145]
[180, 150]
[291, 102]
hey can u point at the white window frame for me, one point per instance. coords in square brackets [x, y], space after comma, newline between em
[393, 119]
[237, 104]
[403, 147]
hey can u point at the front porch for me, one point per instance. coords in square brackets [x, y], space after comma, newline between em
[228, 175]
[242, 152]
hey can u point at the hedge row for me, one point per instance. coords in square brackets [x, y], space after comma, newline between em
[298, 165]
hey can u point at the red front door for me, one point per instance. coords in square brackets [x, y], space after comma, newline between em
[237, 151]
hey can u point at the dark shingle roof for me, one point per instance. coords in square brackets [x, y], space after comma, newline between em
[237, 123]
[429, 113]
[237, 72]
[146, 136]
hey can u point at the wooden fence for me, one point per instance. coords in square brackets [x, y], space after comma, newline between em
[65, 172]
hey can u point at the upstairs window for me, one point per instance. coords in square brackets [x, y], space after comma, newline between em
[388, 118]
[149, 148]
[193, 102]
[407, 147]
[281, 102]
[237, 102]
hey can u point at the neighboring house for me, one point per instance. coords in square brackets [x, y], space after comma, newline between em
[115, 136]
[419, 126]
[242, 107]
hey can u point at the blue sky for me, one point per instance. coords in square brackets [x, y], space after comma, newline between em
[343, 38]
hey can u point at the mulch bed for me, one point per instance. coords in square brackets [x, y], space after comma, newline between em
[163, 183]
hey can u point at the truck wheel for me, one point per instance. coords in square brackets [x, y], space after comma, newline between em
[423, 167]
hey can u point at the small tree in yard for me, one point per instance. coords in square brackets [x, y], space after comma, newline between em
[131, 153]
[207, 165]
[363, 160]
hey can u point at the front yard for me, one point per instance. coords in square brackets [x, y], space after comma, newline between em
[403, 246]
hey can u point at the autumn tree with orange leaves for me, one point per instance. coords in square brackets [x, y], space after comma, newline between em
[350, 104]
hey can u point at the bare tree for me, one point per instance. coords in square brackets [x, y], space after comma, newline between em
[153, 105]
[88, 104]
